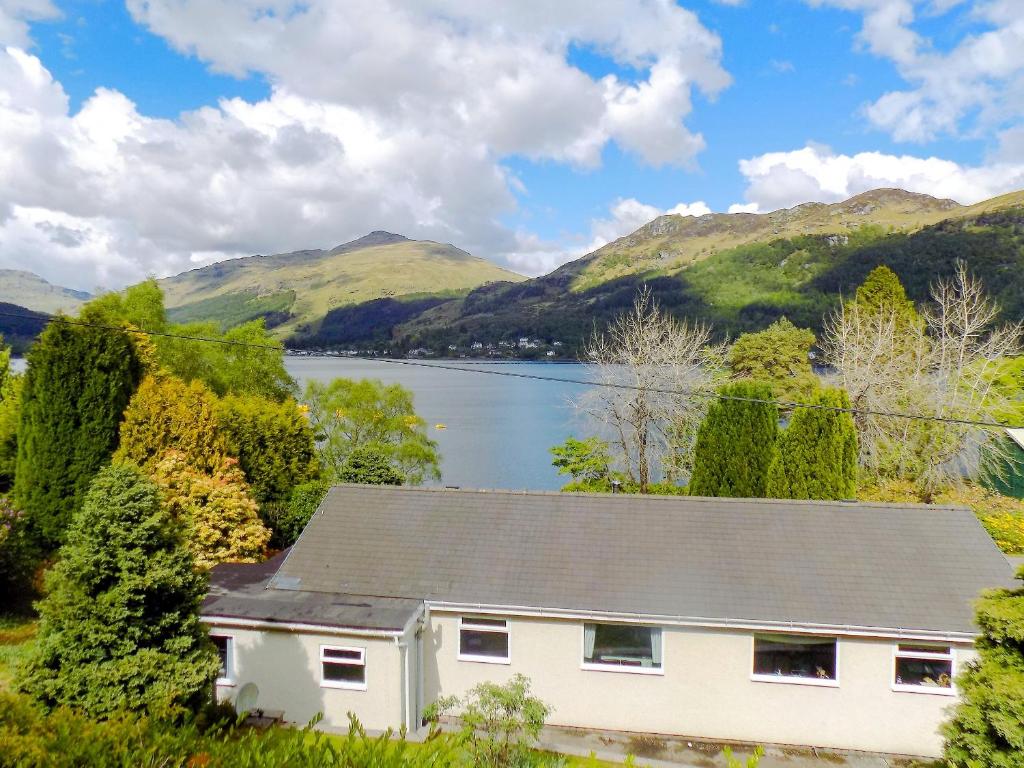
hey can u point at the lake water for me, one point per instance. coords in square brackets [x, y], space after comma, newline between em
[497, 429]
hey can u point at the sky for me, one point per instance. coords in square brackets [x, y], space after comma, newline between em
[148, 137]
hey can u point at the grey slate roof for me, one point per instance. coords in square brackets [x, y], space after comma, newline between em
[833, 563]
[241, 591]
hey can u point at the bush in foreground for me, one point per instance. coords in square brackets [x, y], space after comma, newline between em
[119, 628]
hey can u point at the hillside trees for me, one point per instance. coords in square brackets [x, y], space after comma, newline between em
[736, 443]
[347, 414]
[78, 383]
[987, 728]
[940, 364]
[816, 456]
[659, 375]
[779, 355]
[119, 626]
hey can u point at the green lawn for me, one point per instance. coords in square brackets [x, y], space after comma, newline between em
[16, 635]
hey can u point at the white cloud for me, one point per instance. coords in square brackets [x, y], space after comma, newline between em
[15, 15]
[783, 179]
[383, 114]
[973, 87]
[744, 208]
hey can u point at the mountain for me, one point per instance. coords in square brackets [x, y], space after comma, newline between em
[19, 326]
[293, 291]
[30, 290]
[738, 272]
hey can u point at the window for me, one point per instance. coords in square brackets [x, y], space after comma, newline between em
[795, 658]
[624, 647]
[924, 668]
[483, 640]
[225, 645]
[343, 667]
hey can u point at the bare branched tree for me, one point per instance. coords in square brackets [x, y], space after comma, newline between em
[943, 367]
[672, 370]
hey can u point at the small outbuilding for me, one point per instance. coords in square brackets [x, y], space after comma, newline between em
[840, 625]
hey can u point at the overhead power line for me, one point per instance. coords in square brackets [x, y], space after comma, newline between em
[518, 375]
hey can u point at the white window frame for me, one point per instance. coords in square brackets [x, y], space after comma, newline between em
[793, 680]
[934, 690]
[468, 622]
[620, 668]
[343, 684]
[229, 666]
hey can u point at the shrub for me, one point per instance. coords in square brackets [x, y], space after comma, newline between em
[499, 723]
[286, 520]
[119, 627]
[217, 510]
[18, 558]
[369, 466]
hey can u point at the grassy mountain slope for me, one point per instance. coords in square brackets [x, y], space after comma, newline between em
[19, 326]
[741, 288]
[294, 291]
[29, 290]
[670, 243]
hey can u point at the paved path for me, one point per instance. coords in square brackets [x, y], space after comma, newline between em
[668, 752]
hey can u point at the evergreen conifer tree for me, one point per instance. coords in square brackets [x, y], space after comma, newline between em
[78, 382]
[987, 728]
[167, 414]
[817, 453]
[120, 624]
[735, 443]
[368, 466]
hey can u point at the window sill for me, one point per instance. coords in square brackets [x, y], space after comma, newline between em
[788, 680]
[485, 659]
[343, 686]
[225, 682]
[623, 669]
[925, 689]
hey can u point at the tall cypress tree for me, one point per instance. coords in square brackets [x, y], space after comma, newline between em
[735, 443]
[987, 728]
[120, 624]
[817, 452]
[77, 385]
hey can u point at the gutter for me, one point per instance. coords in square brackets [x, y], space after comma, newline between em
[851, 630]
[291, 626]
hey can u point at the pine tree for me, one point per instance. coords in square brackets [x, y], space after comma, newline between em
[78, 382]
[817, 453]
[735, 443]
[779, 355]
[120, 626]
[882, 291]
[219, 515]
[987, 728]
[167, 414]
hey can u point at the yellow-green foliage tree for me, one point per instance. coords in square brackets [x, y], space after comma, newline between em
[167, 414]
[216, 508]
[273, 443]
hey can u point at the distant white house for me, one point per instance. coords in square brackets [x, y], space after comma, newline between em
[827, 624]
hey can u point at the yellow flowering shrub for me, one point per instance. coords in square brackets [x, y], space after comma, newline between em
[1002, 516]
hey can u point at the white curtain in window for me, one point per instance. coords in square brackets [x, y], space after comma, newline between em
[589, 635]
[656, 647]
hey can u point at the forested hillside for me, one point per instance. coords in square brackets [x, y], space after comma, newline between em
[739, 289]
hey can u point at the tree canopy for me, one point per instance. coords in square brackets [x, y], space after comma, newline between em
[778, 355]
[216, 509]
[369, 466]
[120, 623]
[348, 414]
[167, 414]
[816, 457]
[987, 728]
[78, 383]
[736, 443]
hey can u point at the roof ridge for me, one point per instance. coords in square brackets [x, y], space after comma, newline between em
[844, 503]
